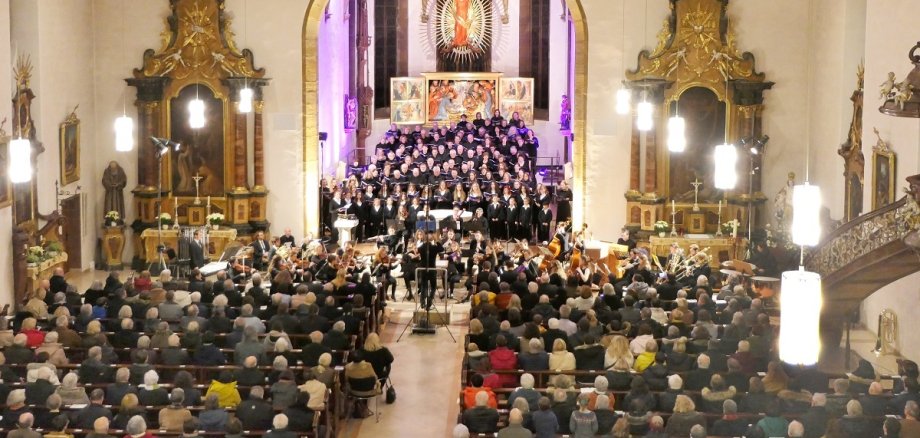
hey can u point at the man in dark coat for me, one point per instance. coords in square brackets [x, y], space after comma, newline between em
[255, 413]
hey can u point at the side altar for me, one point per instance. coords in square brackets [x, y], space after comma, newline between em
[697, 72]
[198, 95]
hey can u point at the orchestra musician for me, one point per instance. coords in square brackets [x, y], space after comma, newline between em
[260, 250]
[383, 266]
[287, 237]
[410, 261]
[241, 264]
[453, 257]
[626, 239]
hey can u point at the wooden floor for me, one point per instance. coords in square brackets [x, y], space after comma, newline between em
[426, 370]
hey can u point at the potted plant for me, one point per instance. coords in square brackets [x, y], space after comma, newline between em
[35, 255]
[662, 228]
[165, 220]
[215, 219]
[53, 248]
[112, 218]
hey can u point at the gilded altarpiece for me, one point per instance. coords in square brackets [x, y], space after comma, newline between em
[698, 72]
[854, 161]
[198, 58]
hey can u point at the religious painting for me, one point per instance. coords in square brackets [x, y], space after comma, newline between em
[5, 189]
[883, 178]
[451, 95]
[407, 101]
[463, 35]
[517, 97]
[704, 115]
[23, 201]
[200, 159]
[70, 149]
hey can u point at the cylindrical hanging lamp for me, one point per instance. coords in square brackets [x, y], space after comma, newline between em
[124, 134]
[800, 312]
[726, 159]
[677, 140]
[20, 161]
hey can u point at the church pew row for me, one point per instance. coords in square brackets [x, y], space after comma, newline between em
[77, 354]
[162, 433]
[543, 378]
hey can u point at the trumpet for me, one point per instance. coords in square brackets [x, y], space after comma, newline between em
[700, 259]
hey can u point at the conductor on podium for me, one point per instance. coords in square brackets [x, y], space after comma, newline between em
[428, 281]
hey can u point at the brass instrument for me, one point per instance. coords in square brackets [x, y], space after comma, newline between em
[700, 259]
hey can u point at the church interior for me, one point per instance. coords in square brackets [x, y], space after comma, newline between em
[551, 218]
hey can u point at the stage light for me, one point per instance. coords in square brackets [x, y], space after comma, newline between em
[196, 113]
[124, 134]
[726, 176]
[245, 105]
[800, 311]
[20, 161]
[677, 140]
[806, 209]
[644, 111]
[623, 98]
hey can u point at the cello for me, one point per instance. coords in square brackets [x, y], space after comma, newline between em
[555, 248]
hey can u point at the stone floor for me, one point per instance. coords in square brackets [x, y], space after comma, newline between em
[427, 368]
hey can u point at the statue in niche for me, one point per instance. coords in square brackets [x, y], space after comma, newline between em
[114, 182]
[782, 205]
[565, 114]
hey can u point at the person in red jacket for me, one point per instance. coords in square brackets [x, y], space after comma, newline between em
[34, 336]
[476, 385]
[503, 358]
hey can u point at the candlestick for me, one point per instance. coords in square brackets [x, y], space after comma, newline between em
[208, 213]
[176, 213]
[734, 229]
[719, 227]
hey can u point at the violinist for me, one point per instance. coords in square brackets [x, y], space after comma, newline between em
[476, 250]
[584, 272]
[383, 265]
[241, 265]
[453, 257]
[410, 261]
[327, 271]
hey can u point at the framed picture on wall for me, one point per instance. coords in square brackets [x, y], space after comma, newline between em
[517, 97]
[407, 101]
[883, 173]
[883, 178]
[70, 149]
[452, 95]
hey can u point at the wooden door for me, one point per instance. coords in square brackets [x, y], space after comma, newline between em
[71, 210]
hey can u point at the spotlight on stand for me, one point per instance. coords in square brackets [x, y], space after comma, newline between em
[163, 145]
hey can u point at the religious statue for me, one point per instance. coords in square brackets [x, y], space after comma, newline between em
[887, 86]
[565, 114]
[461, 23]
[351, 112]
[782, 205]
[114, 182]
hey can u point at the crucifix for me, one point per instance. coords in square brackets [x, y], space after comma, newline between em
[696, 193]
[197, 179]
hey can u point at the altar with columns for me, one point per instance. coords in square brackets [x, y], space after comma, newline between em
[697, 72]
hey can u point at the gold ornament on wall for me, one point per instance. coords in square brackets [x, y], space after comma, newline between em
[199, 42]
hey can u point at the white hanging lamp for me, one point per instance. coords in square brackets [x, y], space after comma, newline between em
[20, 170]
[124, 125]
[196, 112]
[124, 133]
[644, 112]
[677, 132]
[726, 159]
[800, 301]
[806, 210]
[245, 105]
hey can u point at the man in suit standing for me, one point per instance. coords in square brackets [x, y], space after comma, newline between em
[260, 250]
[428, 282]
[196, 250]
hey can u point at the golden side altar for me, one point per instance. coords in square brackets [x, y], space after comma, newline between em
[217, 241]
[43, 271]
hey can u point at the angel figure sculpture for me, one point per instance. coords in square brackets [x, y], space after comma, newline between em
[904, 93]
[887, 86]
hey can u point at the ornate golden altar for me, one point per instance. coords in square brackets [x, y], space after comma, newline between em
[720, 248]
[217, 241]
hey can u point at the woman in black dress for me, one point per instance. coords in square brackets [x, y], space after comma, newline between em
[563, 202]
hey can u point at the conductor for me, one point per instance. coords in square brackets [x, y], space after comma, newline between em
[428, 281]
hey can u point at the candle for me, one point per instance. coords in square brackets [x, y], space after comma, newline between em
[672, 206]
[734, 229]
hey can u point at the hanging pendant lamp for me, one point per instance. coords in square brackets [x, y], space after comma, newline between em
[20, 170]
[196, 113]
[124, 134]
[677, 139]
[726, 158]
[800, 301]
[245, 105]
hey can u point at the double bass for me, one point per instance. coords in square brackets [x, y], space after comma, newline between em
[554, 248]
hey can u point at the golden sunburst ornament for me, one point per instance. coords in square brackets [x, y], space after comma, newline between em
[463, 28]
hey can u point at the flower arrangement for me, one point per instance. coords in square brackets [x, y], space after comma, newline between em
[112, 217]
[54, 247]
[215, 218]
[730, 226]
[165, 219]
[662, 227]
